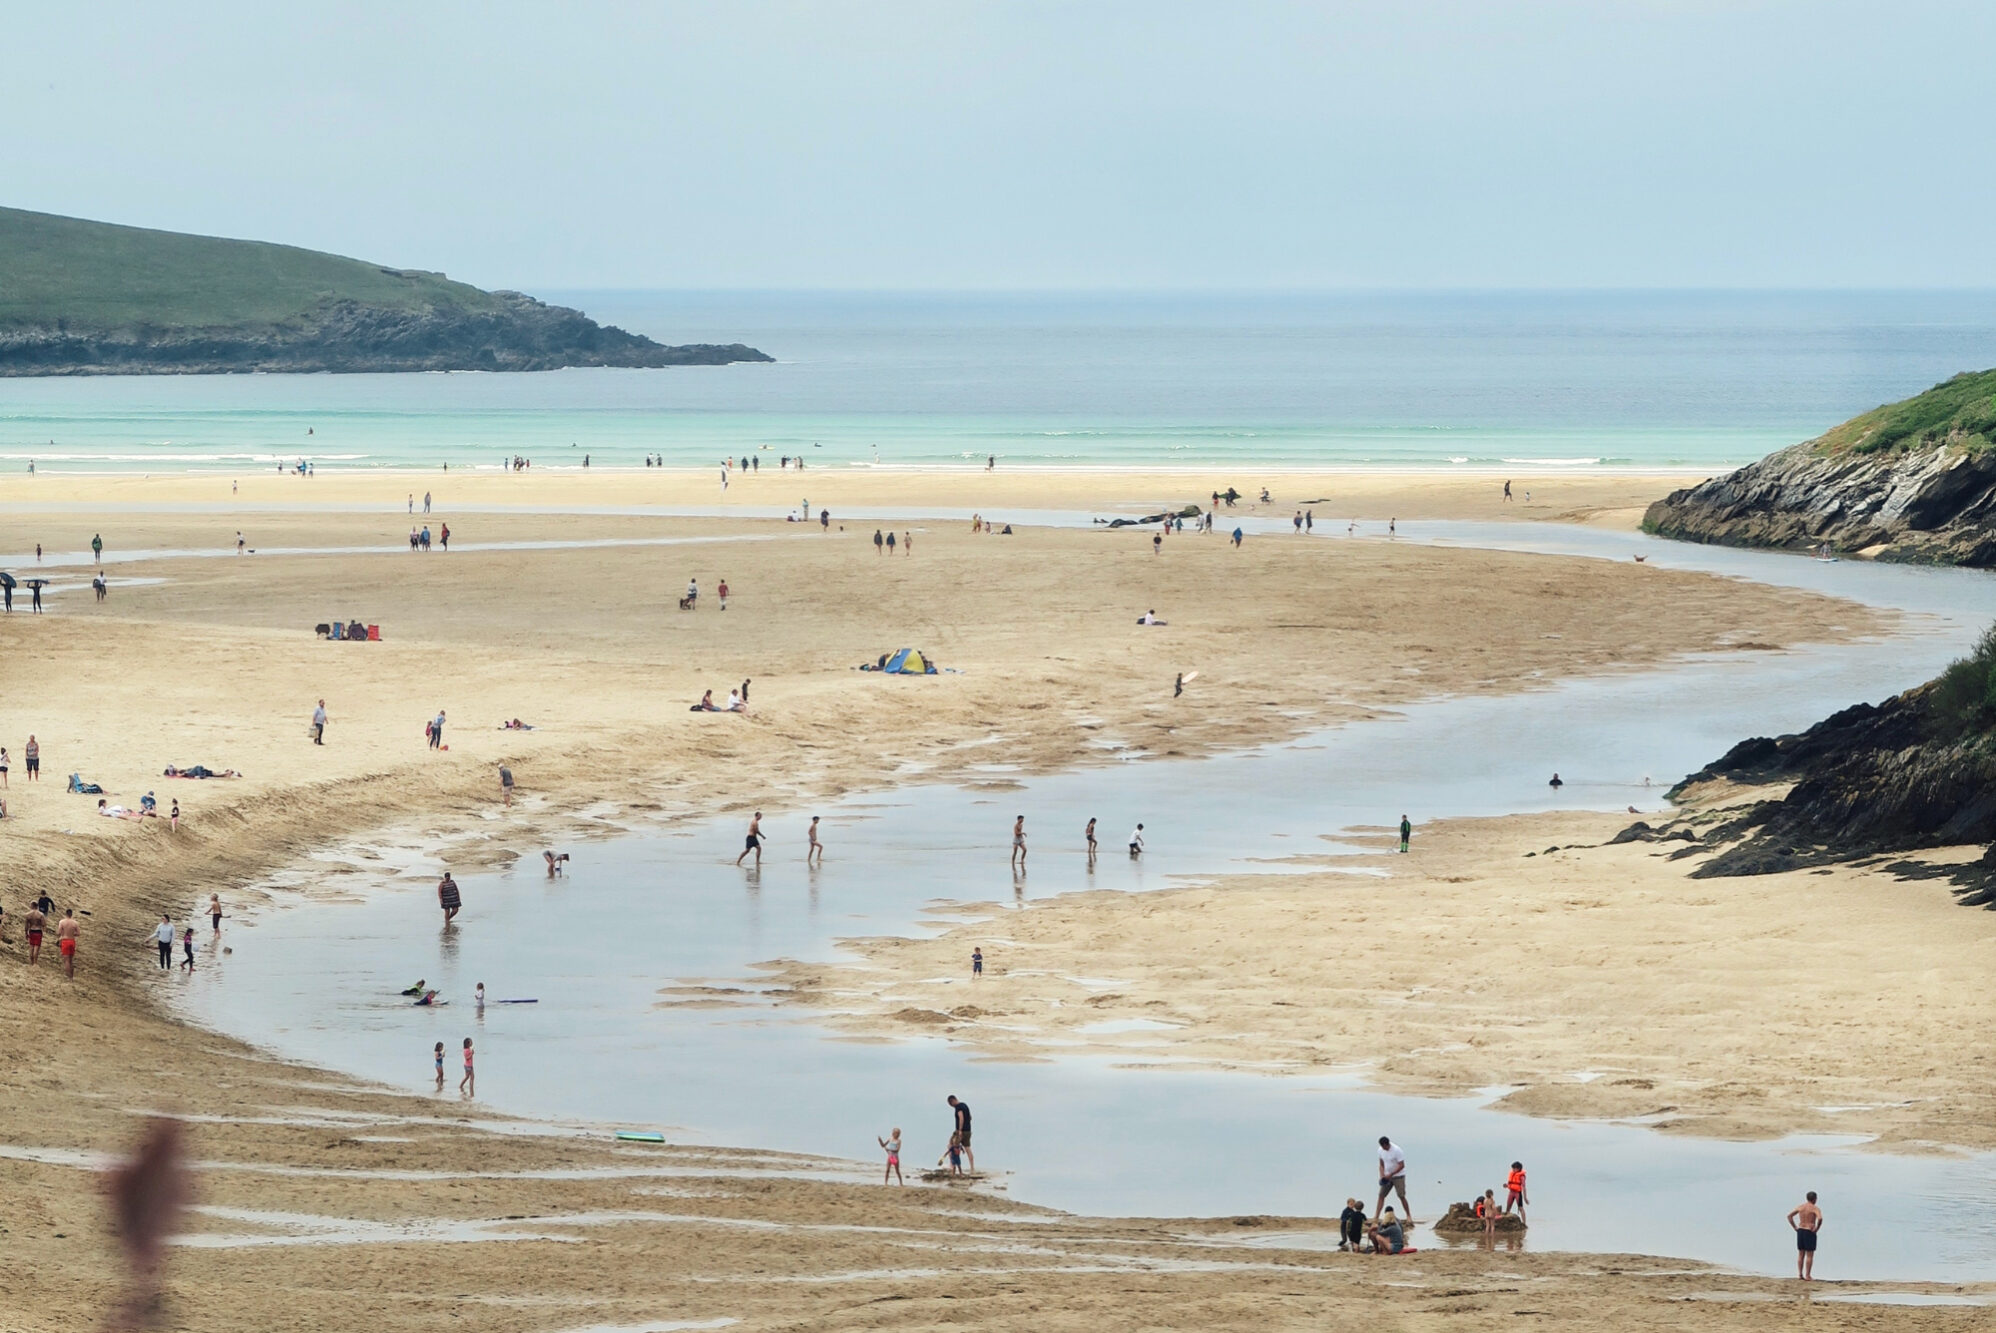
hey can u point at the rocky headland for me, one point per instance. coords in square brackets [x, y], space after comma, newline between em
[1910, 481]
[93, 298]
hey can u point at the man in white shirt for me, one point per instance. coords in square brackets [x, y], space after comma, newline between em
[1392, 1177]
[319, 724]
[1137, 841]
[164, 936]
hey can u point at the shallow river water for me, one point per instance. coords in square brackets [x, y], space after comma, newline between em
[316, 981]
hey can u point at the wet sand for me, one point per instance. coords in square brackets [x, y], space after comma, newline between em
[216, 664]
[1591, 981]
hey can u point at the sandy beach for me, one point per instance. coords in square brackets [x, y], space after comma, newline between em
[332, 1204]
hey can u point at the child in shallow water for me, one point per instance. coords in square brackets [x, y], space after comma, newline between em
[440, 1066]
[893, 1147]
[953, 1155]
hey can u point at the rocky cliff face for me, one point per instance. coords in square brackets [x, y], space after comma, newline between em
[1935, 504]
[347, 336]
[1869, 780]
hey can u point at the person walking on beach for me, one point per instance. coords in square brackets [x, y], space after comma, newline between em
[67, 932]
[163, 936]
[893, 1146]
[443, 536]
[1237, 539]
[1807, 1220]
[437, 731]
[506, 784]
[1406, 833]
[239, 541]
[976, 963]
[890, 543]
[32, 752]
[1392, 1176]
[319, 724]
[962, 1111]
[3, 768]
[754, 841]
[907, 543]
[426, 502]
[468, 1085]
[97, 548]
[814, 854]
[215, 913]
[722, 593]
[35, 922]
[877, 541]
[1089, 834]
[1507, 492]
[1019, 842]
[187, 948]
[449, 898]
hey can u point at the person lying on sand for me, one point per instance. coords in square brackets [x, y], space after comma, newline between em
[515, 725]
[117, 811]
[199, 771]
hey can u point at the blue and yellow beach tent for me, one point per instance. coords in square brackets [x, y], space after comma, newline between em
[908, 662]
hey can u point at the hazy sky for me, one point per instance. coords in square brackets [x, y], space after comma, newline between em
[929, 144]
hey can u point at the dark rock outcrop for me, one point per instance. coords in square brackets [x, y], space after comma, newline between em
[519, 333]
[1934, 504]
[1868, 780]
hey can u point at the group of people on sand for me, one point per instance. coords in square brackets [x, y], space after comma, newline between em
[737, 701]
[957, 1154]
[886, 545]
[419, 538]
[814, 851]
[1385, 1232]
[68, 930]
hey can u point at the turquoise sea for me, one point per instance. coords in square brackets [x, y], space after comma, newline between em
[1512, 380]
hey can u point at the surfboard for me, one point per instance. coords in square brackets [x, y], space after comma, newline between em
[516, 1001]
[640, 1136]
